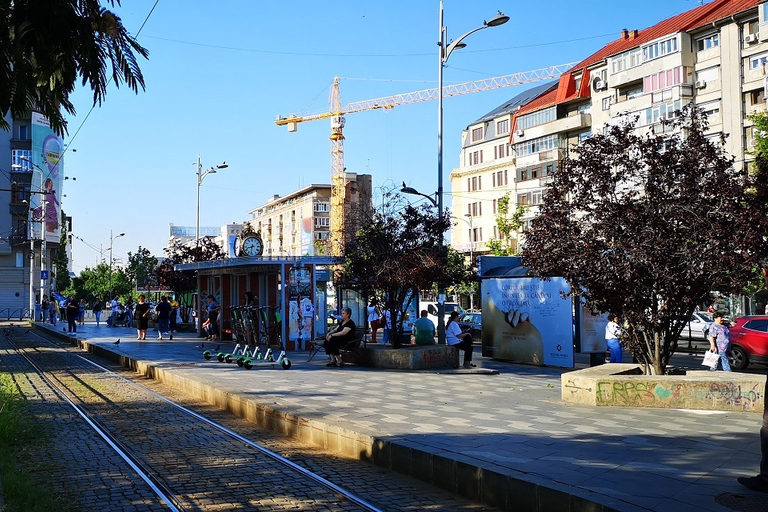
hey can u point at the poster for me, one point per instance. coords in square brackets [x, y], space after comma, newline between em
[592, 330]
[527, 320]
[47, 179]
[300, 308]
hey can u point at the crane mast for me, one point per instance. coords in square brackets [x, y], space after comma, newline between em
[336, 114]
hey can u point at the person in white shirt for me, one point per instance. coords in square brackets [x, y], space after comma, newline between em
[461, 340]
[612, 335]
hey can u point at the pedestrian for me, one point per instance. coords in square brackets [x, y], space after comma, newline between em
[344, 332]
[374, 319]
[424, 330]
[129, 305]
[113, 304]
[73, 310]
[81, 313]
[612, 336]
[44, 307]
[164, 311]
[142, 318]
[456, 338]
[250, 300]
[213, 317]
[174, 316]
[720, 341]
[97, 311]
[53, 310]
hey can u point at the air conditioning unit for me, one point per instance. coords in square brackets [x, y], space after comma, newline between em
[520, 133]
[701, 84]
[600, 85]
[750, 39]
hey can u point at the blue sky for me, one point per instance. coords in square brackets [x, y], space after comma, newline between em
[220, 72]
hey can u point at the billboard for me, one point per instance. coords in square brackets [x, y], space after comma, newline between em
[48, 178]
[592, 327]
[527, 320]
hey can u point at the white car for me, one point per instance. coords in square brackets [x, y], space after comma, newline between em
[697, 326]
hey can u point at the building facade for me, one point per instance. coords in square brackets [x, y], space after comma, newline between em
[714, 56]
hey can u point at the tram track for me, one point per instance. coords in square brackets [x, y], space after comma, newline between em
[190, 462]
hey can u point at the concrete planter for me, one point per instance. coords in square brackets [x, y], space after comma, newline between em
[407, 357]
[625, 385]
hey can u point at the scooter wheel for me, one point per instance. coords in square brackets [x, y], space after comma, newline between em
[228, 358]
[240, 361]
[286, 364]
[248, 364]
[207, 355]
[220, 357]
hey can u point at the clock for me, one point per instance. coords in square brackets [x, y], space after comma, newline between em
[252, 246]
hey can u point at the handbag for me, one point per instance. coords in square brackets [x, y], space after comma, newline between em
[710, 359]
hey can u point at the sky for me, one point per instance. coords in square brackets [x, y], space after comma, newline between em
[219, 73]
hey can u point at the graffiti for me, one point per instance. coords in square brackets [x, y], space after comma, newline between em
[733, 394]
[626, 393]
[570, 384]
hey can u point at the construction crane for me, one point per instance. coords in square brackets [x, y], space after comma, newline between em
[337, 113]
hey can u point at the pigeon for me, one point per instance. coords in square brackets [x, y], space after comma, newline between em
[200, 346]
[118, 341]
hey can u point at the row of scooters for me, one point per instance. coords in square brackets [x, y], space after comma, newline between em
[247, 358]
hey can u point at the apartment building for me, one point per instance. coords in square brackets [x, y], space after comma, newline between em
[30, 227]
[714, 55]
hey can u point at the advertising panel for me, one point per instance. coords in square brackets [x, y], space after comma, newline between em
[527, 320]
[48, 178]
[301, 310]
[592, 330]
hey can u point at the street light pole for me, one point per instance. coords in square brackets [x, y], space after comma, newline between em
[446, 49]
[200, 177]
[111, 243]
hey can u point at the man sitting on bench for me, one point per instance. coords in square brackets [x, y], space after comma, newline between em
[343, 334]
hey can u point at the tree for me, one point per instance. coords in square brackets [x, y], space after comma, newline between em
[141, 266]
[646, 225]
[47, 47]
[399, 251]
[99, 282]
[177, 252]
[506, 226]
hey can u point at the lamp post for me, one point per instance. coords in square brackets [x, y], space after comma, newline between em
[43, 248]
[111, 243]
[413, 191]
[200, 177]
[446, 48]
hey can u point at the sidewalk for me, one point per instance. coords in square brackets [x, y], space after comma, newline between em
[532, 449]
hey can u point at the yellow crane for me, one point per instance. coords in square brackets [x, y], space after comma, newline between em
[337, 113]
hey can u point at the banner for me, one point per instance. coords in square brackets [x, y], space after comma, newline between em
[48, 178]
[527, 320]
[592, 330]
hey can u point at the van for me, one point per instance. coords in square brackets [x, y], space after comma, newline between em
[431, 308]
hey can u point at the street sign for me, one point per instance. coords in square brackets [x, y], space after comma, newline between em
[43, 274]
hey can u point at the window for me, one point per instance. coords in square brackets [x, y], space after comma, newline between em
[659, 49]
[499, 178]
[751, 28]
[755, 97]
[708, 42]
[500, 151]
[475, 209]
[523, 199]
[536, 118]
[21, 165]
[757, 61]
[607, 102]
[757, 325]
[475, 183]
[19, 260]
[495, 207]
[24, 132]
[476, 157]
[584, 136]
[667, 78]
[536, 197]
[502, 127]
[537, 145]
[708, 74]
[477, 134]
[626, 60]
[322, 235]
[322, 207]
[661, 111]
[322, 222]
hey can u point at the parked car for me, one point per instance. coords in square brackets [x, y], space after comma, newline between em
[472, 322]
[697, 326]
[431, 308]
[749, 341]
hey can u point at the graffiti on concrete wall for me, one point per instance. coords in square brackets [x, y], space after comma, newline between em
[649, 393]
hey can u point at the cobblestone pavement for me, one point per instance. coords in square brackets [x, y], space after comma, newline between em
[203, 465]
[515, 423]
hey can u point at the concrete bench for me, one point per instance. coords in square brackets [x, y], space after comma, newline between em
[624, 385]
[407, 357]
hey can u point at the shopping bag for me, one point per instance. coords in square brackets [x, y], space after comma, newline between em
[710, 359]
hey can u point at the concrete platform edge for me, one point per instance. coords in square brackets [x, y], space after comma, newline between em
[498, 487]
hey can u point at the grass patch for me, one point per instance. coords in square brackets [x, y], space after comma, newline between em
[22, 439]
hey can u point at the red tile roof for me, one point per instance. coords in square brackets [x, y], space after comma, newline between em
[689, 20]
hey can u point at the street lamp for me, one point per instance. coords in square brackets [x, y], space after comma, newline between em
[446, 49]
[471, 252]
[43, 247]
[111, 242]
[200, 177]
[413, 191]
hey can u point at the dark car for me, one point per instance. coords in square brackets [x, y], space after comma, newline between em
[472, 322]
[749, 341]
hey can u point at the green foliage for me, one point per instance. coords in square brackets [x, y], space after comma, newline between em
[46, 48]
[62, 260]
[398, 252]
[646, 225]
[506, 225]
[760, 131]
[141, 267]
[93, 283]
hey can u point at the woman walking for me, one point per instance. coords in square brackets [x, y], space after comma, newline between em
[142, 318]
[720, 341]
